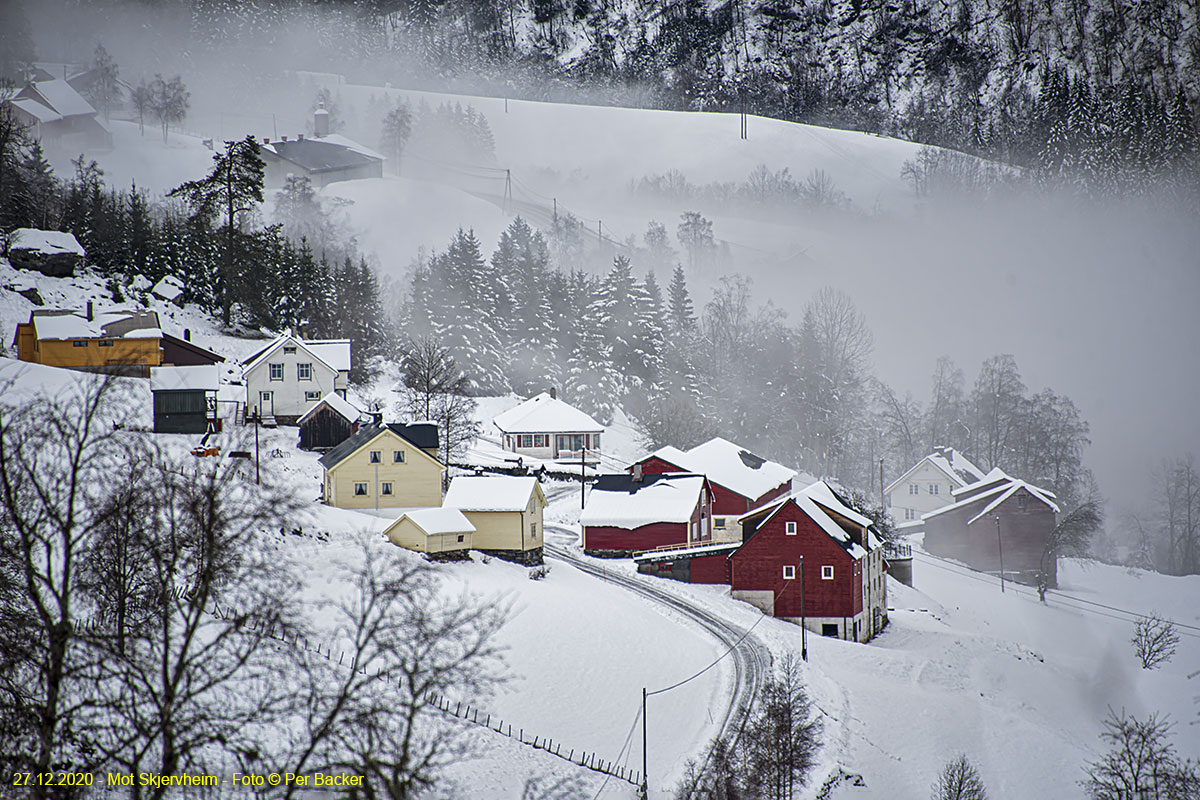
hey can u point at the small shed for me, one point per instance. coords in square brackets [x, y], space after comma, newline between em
[705, 563]
[181, 398]
[506, 512]
[443, 534]
[329, 423]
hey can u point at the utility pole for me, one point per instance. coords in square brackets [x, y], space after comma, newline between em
[507, 187]
[1000, 549]
[582, 481]
[803, 627]
[257, 477]
[556, 209]
[882, 502]
[645, 782]
[377, 483]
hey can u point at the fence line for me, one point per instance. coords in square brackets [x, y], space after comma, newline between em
[463, 711]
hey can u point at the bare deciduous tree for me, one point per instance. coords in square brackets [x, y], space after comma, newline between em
[405, 638]
[1072, 534]
[435, 390]
[1154, 640]
[1141, 762]
[56, 454]
[959, 780]
[778, 749]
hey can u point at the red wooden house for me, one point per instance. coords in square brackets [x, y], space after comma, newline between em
[630, 512]
[809, 558]
[740, 480]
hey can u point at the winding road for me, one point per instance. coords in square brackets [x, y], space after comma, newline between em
[751, 659]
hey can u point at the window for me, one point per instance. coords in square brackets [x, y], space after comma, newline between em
[104, 343]
[79, 343]
[360, 490]
[385, 488]
[533, 529]
[461, 537]
[827, 573]
[289, 349]
[719, 523]
[933, 488]
[914, 489]
[397, 456]
[789, 572]
[595, 441]
[790, 528]
[541, 440]
[376, 456]
[1022, 499]
[525, 440]
[304, 371]
[312, 397]
[276, 372]
[265, 396]
[910, 514]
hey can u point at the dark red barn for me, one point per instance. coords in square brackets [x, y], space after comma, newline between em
[813, 537]
[1000, 518]
[626, 513]
[740, 480]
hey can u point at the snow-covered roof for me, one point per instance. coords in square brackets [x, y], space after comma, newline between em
[490, 493]
[697, 550]
[669, 454]
[957, 467]
[998, 494]
[825, 496]
[168, 288]
[337, 138]
[546, 414]
[731, 466]
[339, 404]
[437, 520]
[106, 325]
[333, 353]
[817, 515]
[206, 377]
[38, 111]
[63, 98]
[995, 474]
[50, 242]
[659, 498]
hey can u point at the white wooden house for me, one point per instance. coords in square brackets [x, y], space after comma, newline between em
[290, 376]
[928, 485]
[547, 428]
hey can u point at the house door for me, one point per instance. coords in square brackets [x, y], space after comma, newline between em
[266, 405]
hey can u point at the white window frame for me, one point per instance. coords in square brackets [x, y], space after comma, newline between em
[789, 572]
[375, 457]
[366, 490]
[385, 489]
[789, 528]
[289, 349]
[312, 397]
[271, 369]
[304, 371]
[827, 572]
[397, 456]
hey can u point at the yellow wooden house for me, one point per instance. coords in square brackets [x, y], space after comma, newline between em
[506, 512]
[440, 533]
[384, 466]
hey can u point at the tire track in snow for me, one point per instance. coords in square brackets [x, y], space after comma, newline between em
[751, 659]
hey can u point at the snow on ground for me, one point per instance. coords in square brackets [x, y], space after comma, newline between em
[1021, 688]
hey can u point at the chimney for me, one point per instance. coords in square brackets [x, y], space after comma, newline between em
[90, 311]
[266, 140]
[187, 334]
[320, 122]
[637, 473]
[299, 137]
[377, 418]
[553, 393]
[285, 138]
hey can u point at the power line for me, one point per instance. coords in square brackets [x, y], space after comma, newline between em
[732, 647]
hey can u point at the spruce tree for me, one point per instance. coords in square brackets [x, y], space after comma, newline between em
[682, 316]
